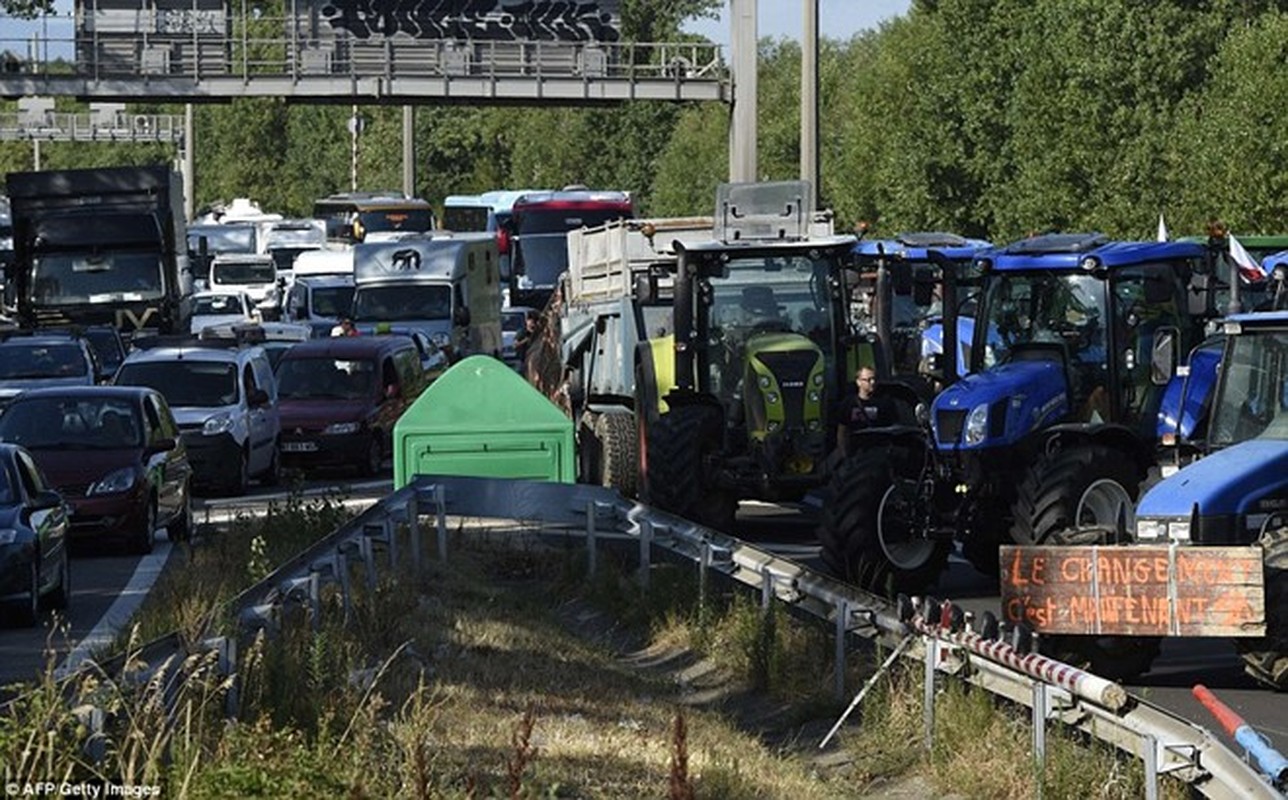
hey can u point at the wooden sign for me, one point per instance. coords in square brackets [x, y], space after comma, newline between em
[1135, 590]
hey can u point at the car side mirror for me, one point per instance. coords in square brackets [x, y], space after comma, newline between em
[161, 445]
[391, 391]
[257, 397]
[461, 316]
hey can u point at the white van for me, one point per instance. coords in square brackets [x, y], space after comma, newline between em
[447, 285]
[254, 274]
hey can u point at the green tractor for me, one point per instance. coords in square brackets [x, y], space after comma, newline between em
[735, 402]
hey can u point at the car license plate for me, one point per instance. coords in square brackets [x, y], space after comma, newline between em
[299, 447]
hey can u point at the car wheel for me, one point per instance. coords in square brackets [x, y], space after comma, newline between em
[61, 597]
[375, 458]
[180, 528]
[241, 480]
[273, 475]
[147, 532]
[28, 612]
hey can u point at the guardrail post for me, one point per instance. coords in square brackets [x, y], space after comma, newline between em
[766, 590]
[342, 571]
[646, 551]
[413, 530]
[1150, 757]
[93, 718]
[704, 564]
[928, 692]
[842, 626]
[440, 509]
[590, 538]
[366, 552]
[1041, 701]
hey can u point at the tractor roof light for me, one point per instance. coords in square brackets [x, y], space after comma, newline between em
[1090, 264]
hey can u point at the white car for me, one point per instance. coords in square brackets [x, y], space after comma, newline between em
[220, 307]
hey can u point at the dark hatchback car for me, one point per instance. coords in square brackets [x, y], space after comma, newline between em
[340, 397]
[115, 454]
[34, 522]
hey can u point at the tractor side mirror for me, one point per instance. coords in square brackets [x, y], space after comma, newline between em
[1162, 364]
[646, 289]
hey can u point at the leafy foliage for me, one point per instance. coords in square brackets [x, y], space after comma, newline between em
[989, 118]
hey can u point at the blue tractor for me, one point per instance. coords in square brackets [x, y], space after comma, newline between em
[1075, 339]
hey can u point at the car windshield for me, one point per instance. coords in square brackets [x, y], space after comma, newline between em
[1253, 399]
[218, 304]
[94, 423]
[69, 279]
[325, 378]
[332, 301]
[201, 384]
[238, 272]
[402, 302]
[25, 361]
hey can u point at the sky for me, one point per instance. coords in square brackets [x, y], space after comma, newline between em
[837, 19]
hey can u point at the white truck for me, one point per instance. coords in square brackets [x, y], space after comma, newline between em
[446, 285]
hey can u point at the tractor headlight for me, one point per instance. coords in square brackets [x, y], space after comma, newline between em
[764, 381]
[818, 379]
[1154, 530]
[814, 397]
[977, 424]
[1150, 530]
[771, 398]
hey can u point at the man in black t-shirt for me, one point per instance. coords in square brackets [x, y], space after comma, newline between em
[863, 409]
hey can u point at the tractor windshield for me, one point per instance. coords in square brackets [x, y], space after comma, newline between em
[1253, 398]
[1042, 307]
[779, 302]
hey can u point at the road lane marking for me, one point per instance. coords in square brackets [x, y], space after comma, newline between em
[121, 610]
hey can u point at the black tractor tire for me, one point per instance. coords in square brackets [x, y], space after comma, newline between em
[1114, 657]
[863, 490]
[1048, 497]
[1266, 658]
[677, 444]
[618, 452]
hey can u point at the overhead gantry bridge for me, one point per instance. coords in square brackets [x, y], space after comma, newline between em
[352, 52]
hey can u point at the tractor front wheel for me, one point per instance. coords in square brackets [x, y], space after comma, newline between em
[1091, 486]
[871, 534]
[677, 444]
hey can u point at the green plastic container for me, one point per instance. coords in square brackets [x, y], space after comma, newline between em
[482, 419]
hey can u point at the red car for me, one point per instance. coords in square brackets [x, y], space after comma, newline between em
[115, 455]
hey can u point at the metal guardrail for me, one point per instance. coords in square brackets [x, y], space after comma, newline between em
[1165, 743]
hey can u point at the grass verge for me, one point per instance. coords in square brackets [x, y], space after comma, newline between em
[508, 672]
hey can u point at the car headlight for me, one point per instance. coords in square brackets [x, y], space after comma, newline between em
[113, 483]
[8, 536]
[219, 423]
[339, 428]
[977, 424]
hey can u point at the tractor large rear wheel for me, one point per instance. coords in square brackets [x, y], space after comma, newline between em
[1088, 486]
[1266, 659]
[678, 481]
[870, 533]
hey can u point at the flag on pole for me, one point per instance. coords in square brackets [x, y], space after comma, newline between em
[1162, 228]
[1249, 269]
